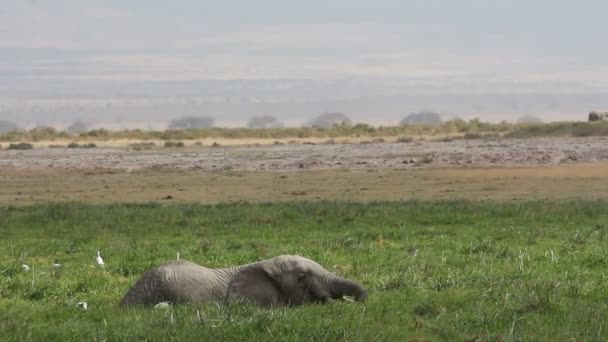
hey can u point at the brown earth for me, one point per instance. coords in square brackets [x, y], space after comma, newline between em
[504, 170]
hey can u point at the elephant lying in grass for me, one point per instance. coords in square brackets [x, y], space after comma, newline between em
[283, 280]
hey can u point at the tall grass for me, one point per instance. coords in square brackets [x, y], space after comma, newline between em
[456, 128]
[435, 270]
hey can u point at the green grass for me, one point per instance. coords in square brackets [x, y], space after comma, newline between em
[483, 270]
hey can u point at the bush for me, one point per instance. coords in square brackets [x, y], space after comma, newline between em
[76, 145]
[20, 146]
[142, 146]
[364, 128]
[405, 139]
[98, 133]
[173, 144]
[42, 133]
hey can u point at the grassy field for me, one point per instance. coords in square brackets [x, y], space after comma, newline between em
[436, 270]
[578, 181]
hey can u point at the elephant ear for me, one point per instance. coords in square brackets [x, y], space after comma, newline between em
[257, 284]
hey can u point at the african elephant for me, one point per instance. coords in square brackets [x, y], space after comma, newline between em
[283, 280]
[598, 116]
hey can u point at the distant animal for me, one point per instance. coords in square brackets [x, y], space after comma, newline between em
[283, 280]
[598, 116]
[99, 259]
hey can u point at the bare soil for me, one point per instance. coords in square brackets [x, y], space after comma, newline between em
[311, 156]
[517, 169]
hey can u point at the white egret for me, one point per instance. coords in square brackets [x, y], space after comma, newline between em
[82, 305]
[99, 259]
[162, 305]
[25, 268]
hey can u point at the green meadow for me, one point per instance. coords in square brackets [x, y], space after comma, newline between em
[435, 270]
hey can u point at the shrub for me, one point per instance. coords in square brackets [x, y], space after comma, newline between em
[405, 139]
[472, 135]
[99, 133]
[365, 128]
[20, 146]
[42, 133]
[76, 145]
[142, 146]
[174, 144]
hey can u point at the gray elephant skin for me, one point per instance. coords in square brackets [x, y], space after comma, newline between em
[283, 280]
[598, 116]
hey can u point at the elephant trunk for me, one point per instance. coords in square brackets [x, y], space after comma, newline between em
[340, 287]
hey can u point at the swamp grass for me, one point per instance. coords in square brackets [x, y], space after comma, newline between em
[435, 270]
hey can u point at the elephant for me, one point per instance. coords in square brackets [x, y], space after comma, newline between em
[598, 116]
[285, 280]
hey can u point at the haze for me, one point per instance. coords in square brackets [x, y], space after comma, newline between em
[141, 63]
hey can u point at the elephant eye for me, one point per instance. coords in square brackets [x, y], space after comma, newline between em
[301, 277]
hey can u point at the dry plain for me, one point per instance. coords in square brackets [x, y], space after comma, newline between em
[509, 169]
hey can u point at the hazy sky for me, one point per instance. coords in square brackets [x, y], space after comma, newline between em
[151, 60]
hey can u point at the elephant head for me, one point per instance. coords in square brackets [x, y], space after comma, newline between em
[283, 280]
[291, 280]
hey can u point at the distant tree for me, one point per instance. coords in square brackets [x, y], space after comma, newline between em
[7, 126]
[264, 122]
[45, 129]
[77, 127]
[429, 118]
[189, 122]
[42, 127]
[529, 119]
[327, 120]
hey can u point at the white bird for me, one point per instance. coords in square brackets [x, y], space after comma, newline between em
[99, 259]
[25, 267]
[162, 305]
[82, 305]
[56, 265]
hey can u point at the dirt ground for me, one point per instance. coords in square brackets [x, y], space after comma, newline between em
[514, 169]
